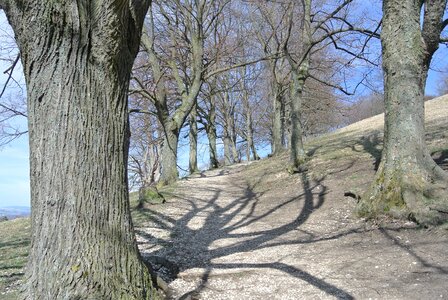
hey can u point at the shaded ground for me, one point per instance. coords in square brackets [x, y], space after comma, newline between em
[254, 232]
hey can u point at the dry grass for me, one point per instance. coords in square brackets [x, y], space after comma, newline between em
[436, 110]
[14, 245]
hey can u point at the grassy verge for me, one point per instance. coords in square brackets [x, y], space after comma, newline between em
[14, 246]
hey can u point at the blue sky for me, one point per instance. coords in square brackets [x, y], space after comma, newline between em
[14, 166]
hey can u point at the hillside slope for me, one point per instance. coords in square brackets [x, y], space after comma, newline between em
[252, 231]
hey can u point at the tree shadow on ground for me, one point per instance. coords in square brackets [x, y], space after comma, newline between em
[441, 158]
[412, 253]
[231, 222]
[371, 144]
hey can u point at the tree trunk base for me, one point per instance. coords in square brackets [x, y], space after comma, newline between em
[420, 196]
[149, 195]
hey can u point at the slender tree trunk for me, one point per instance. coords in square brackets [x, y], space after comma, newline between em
[235, 155]
[299, 73]
[211, 134]
[77, 73]
[228, 136]
[193, 137]
[297, 155]
[233, 135]
[250, 136]
[169, 173]
[408, 183]
[284, 124]
[277, 127]
[227, 148]
[248, 152]
[254, 151]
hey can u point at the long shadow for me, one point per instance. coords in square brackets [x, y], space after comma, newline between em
[370, 145]
[441, 158]
[409, 250]
[232, 221]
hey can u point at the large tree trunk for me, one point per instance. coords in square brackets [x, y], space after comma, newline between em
[77, 72]
[408, 183]
[193, 137]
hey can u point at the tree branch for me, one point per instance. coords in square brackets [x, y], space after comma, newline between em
[432, 21]
[444, 24]
[338, 87]
[141, 111]
[334, 13]
[9, 71]
[235, 66]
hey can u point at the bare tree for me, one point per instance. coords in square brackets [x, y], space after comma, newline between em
[178, 66]
[271, 36]
[144, 149]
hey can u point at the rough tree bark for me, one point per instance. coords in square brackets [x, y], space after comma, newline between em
[77, 58]
[408, 183]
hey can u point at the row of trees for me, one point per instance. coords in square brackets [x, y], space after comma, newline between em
[204, 62]
[243, 73]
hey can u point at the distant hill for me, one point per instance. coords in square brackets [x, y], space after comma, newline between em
[13, 212]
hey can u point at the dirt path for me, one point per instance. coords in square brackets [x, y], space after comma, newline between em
[254, 232]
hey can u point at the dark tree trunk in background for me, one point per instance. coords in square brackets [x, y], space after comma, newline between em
[249, 131]
[193, 137]
[277, 122]
[408, 183]
[233, 138]
[211, 134]
[77, 57]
